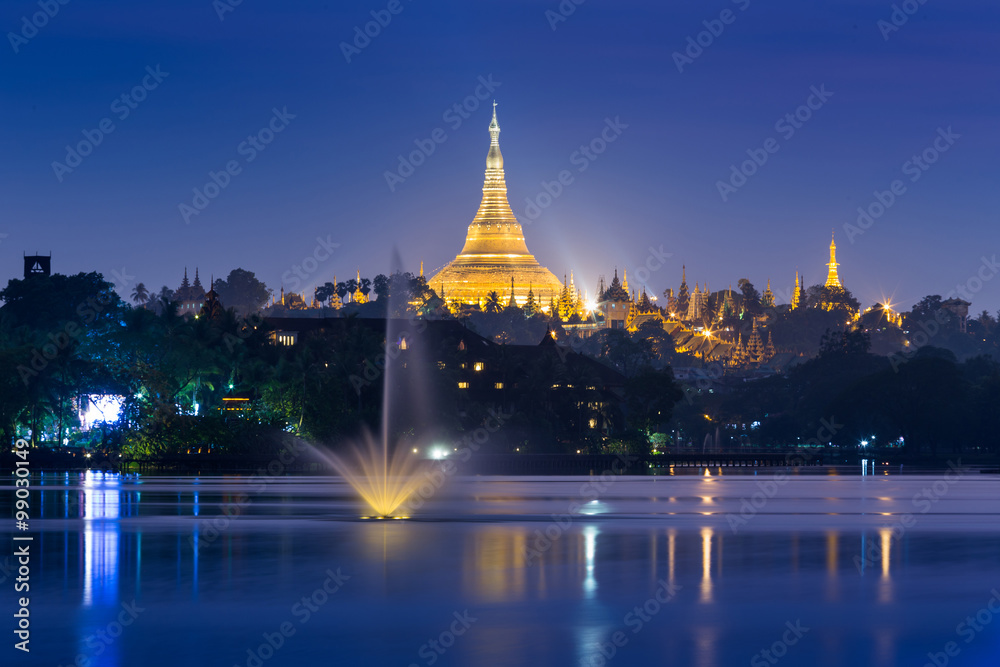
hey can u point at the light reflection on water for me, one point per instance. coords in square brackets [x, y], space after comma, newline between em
[820, 551]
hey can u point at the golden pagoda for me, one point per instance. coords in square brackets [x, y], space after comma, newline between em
[832, 279]
[796, 291]
[494, 250]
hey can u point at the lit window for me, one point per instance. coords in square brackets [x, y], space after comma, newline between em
[478, 366]
[498, 385]
[463, 385]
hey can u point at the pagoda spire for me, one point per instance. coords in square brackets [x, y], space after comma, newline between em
[494, 242]
[767, 299]
[832, 279]
[795, 292]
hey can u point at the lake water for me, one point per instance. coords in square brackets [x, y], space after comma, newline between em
[716, 571]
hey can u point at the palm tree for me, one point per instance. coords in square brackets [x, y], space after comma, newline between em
[493, 304]
[140, 294]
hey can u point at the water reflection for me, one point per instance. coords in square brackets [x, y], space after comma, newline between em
[706, 565]
[543, 601]
[590, 551]
[671, 553]
[496, 559]
[101, 504]
[885, 582]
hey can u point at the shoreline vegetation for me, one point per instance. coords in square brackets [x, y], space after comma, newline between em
[217, 387]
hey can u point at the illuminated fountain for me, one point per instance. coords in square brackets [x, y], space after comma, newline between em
[385, 476]
[385, 481]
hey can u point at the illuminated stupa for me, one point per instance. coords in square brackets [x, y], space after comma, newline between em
[495, 254]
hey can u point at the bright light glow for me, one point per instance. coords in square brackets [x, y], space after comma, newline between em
[864, 443]
[438, 453]
[590, 305]
[97, 408]
[589, 553]
[384, 480]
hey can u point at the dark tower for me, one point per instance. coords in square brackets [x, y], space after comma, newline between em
[37, 265]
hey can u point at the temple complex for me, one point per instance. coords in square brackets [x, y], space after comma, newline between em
[189, 297]
[495, 252]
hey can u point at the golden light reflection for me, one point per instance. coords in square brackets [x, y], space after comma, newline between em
[832, 565]
[885, 583]
[706, 565]
[886, 538]
[706, 638]
[495, 565]
[831, 553]
[671, 553]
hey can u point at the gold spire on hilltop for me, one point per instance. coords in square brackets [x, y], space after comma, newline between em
[767, 299]
[795, 292]
[832, 279]
[494, 245]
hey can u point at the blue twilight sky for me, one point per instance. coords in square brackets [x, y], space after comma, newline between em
[894, 93]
